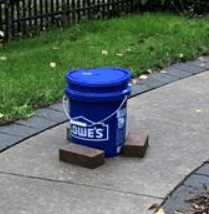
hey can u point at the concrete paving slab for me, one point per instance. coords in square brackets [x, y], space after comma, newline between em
[192, 67]
[42, 154]
[151, 175]
[37, 123]
[17, 130]
[57, 107]
[167, 76]
[52, 115]
[154, 82]
[157, 80]
[178, 73]
[139, 89]
[206, 58]
[196, 63]
[35, 196]
[204, 170]
[185, 102]
[206, 65]
[200, 182]
[7, 140]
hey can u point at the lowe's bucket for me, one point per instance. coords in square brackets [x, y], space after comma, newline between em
[97, 107]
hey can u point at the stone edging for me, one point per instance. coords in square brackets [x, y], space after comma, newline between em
[192, 185]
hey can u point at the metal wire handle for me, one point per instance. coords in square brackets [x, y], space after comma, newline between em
[82, 124]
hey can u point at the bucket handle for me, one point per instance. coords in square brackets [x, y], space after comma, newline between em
[82, 124]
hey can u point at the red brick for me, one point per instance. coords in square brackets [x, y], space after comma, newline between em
[136, 145]
[81, 155]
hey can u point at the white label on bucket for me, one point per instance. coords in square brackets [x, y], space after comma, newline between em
[92, 131]
[118, 149]
[121, 115]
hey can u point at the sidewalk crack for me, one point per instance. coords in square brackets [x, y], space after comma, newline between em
[80, 184]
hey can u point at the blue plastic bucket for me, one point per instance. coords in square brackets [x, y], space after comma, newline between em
[98, 107]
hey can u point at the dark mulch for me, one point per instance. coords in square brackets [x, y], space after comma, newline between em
[198, 205]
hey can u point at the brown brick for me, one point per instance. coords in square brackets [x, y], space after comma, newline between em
[136, 145]
[81, 155]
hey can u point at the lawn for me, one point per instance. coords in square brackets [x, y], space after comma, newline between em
[32, 70]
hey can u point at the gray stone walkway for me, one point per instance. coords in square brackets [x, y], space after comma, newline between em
[33, 180]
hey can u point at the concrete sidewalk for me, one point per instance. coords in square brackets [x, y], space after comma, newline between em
[33, 180]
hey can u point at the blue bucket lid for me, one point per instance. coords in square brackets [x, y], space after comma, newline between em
[98, 77]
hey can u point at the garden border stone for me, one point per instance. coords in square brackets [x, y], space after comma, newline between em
[192, 185]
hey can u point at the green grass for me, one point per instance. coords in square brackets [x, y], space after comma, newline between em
[145, 41]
